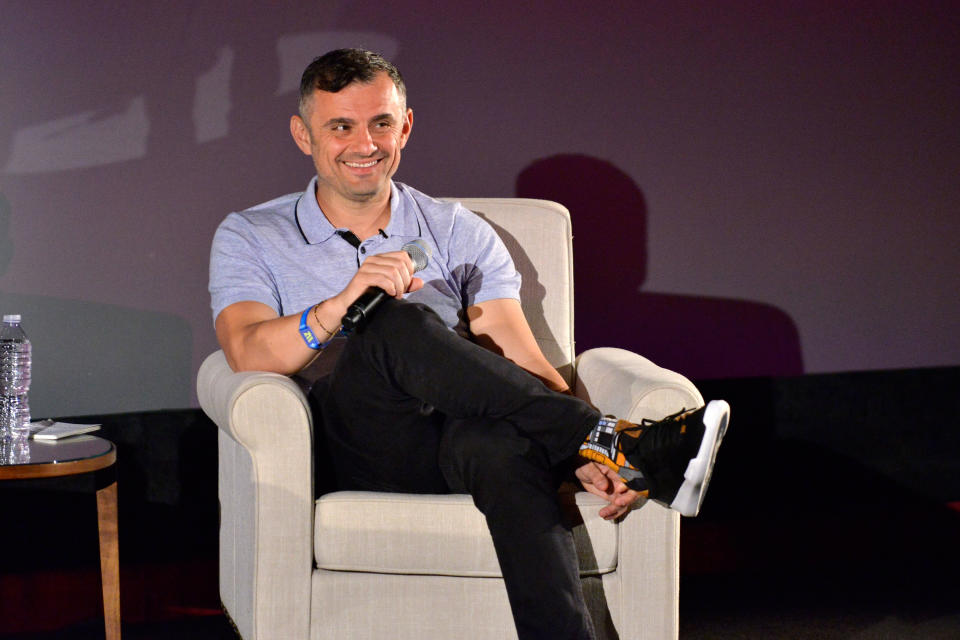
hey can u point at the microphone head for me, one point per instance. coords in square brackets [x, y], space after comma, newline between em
[420, 252]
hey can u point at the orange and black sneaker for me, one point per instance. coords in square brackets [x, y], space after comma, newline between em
[669, 460]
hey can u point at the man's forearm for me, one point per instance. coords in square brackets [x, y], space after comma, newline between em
[500, 326]
[253, 338]
[542, 369]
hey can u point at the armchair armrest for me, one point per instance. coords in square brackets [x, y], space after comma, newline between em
[266, 497]
[631, 387]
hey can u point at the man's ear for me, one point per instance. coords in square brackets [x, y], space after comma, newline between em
[300, 133]
[406, 128]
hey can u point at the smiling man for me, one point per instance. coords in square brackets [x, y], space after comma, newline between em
[445, 388]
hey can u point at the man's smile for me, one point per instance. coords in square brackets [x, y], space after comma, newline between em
[361, 165]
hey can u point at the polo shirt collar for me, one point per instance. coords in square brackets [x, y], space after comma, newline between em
[403, 213]
[316, 228]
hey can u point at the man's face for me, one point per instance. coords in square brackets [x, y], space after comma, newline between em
[355, 137]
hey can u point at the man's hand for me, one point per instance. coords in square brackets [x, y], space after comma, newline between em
[392, 272]
[604, 482]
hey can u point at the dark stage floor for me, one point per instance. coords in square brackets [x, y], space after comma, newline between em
[716, 608]
[834, 514]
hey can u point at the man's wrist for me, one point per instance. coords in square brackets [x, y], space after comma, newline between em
[312, 335]
[306, 332]
[316, 317]
[326, 316]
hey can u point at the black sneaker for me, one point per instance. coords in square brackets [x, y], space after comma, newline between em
[669, 460]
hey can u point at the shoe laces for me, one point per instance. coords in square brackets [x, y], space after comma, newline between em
[673, 416]
[669, 431]
[646, 422]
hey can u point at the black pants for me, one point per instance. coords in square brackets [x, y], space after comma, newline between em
[412, 407]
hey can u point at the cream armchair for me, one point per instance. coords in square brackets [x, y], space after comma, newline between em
[363, 565]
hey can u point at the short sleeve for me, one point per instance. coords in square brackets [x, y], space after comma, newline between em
[488, 270]
[238, 272]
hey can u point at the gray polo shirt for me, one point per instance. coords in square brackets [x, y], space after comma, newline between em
[285, 254]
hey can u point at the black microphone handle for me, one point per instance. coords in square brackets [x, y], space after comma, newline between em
[357, 312]
[363, 306]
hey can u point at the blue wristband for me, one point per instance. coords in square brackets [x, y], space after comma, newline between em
[307, 333]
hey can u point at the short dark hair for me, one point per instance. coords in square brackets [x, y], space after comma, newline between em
[336, 69]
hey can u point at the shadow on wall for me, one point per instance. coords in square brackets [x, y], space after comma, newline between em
[98, 358]
[700, 337]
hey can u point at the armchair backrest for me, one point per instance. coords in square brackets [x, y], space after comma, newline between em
[539, 237]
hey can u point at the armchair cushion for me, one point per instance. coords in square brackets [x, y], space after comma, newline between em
[437, 534]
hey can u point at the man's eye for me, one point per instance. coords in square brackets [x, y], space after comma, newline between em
[341, 128]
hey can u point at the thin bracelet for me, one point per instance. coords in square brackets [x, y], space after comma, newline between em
[317, 318]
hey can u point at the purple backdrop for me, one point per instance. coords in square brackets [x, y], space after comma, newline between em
[756, 189]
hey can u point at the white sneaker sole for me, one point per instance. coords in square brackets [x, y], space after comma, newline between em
[697, 476]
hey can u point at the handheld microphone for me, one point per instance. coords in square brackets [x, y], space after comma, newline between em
[357, 314]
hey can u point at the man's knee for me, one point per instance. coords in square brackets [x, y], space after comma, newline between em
[489, 450]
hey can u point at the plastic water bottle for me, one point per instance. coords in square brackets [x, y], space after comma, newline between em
[15, 361]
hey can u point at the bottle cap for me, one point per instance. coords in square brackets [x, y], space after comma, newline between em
[12, 318]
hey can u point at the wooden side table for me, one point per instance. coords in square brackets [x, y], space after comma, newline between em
[72, 456]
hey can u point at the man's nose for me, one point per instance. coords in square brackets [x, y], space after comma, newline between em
[363, 142]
